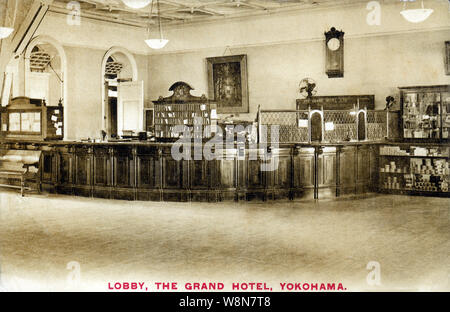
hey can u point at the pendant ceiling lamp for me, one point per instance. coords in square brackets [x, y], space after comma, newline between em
[156, 43]
[416, 15]
[136, 4]
[6, 31]
[161, 42]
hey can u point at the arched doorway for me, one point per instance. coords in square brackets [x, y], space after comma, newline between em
[119, 68]
[361, 125]
[316, 126]
[46, 73]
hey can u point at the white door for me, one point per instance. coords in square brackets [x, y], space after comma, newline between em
[37, 86]
[6, 92]
[130, 106]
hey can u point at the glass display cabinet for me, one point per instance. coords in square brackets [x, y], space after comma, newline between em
[426, 112]
[26, 118]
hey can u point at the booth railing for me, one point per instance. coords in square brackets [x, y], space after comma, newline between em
[287, 121]
[329, 126]
[377, 125]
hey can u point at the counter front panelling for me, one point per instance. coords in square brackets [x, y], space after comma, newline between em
[147, 171]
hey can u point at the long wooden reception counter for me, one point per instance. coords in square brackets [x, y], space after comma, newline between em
[147, 171]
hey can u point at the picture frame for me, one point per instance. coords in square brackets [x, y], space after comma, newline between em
[447, 58]
[228, 83]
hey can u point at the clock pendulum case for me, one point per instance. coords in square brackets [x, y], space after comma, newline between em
[334, 46]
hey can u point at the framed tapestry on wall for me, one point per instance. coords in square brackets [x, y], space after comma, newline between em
[227, 83]
[447, 57]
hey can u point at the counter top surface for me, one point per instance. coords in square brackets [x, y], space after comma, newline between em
[168, 144]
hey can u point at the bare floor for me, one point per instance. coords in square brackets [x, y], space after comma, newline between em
[272, 242]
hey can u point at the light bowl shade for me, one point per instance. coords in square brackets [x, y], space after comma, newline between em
[156, 43]
[137, 4]
[5, 32]
[416, 15]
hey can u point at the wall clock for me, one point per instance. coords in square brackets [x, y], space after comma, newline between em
[334, 45]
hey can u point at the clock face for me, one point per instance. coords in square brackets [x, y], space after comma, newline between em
[334, 44]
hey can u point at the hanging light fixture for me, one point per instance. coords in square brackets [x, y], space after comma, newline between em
[136, 4]
[416, 15]
[157, 43]
[5, 32]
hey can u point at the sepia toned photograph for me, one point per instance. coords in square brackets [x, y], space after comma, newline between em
[279, 147]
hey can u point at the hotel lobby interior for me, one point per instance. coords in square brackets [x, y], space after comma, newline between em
[232, 141]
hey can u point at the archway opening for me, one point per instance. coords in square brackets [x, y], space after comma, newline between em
[361, 126]
[316, 127]
[118, 69]
[44, 79]
[45, 76]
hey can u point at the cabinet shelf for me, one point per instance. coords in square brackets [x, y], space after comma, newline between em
[414, 168]
[182, 109]
[434, 193]
[415, 156]
[26, 118]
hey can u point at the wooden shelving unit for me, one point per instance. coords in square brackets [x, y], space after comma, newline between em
[415, 169]
[167, 116]
[183, 109]
[26, 118]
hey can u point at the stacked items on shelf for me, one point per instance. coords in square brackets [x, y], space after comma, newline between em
[430, 174]
[409, 181]
[393, 151]
[444, 186]
[193, 115]
[445, 115]
[429, 151]
[415, 168]
[392, 168]
[394, 182]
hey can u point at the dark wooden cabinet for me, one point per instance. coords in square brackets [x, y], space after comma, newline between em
[326, 172]
[82, 171]
[147, 171]
[183, 110]
[30, 119]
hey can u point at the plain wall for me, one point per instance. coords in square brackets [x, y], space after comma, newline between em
[372, 65]
[84, 103]
[282, 49]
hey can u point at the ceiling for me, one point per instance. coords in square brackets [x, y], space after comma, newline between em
[187, 11]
